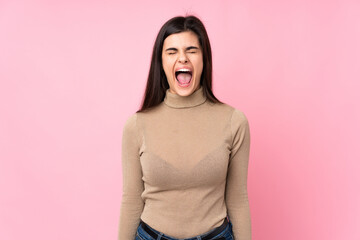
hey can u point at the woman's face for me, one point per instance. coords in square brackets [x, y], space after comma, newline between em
[182, 61]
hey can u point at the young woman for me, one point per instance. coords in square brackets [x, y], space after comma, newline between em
[185, 154]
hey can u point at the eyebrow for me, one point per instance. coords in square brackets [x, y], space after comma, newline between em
[188, 48]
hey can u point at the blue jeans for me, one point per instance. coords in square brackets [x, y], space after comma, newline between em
[226, 234]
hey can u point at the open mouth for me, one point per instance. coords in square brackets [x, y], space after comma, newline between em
[183, 77]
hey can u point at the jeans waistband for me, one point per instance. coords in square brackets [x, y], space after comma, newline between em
[206, 236]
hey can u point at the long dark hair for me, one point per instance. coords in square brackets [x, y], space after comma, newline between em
[157, 84]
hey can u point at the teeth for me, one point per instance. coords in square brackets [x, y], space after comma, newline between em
[183, 70]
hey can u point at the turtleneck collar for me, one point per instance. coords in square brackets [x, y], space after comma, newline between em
[176, 101]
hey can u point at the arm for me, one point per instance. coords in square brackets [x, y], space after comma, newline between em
[236, 185]
[132, 204]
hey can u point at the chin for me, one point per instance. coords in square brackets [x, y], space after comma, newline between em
[185, 91]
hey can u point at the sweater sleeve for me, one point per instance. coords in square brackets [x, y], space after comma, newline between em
[236, 187]
[132, 204]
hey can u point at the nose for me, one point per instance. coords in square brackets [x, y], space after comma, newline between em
[182, 58]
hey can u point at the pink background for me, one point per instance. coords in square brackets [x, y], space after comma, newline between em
[72, 72]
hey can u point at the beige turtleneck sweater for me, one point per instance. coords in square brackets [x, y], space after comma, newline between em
[184, 167]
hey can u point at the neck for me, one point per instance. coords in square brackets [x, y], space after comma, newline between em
[176, 101]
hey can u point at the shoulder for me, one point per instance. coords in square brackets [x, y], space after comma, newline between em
[131, 131]
[130, 124]
[237, 117]
[131, 120]
[234, 114]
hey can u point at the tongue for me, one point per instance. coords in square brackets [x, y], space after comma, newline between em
[184, 77]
